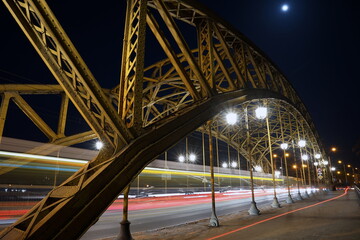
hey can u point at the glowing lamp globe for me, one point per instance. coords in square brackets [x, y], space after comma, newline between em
[302, 143]
[284, 146]
[192, 157]
[231, 118]
[305, 157]
[261, 112]
[99, 145]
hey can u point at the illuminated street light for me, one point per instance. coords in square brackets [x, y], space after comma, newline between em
[99, 145]
[302, 143]
[333, 169]
[287, 154]
[192, 157]
[325, 162]
[233, 164]
[338, 172]
[349, 165]
[258, 168]
[317, 155]
[284, 146]
[231, 118]
[261, 112]
[316, 164]
[224, 165]
[333, 149]
[294, 166]
[181, 158]
[340, 162]
[275, 155]
[305, 157]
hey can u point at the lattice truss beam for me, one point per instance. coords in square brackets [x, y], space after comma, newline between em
[151, 109]
[286, 125]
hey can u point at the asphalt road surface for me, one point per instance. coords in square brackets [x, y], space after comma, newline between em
[155, 218]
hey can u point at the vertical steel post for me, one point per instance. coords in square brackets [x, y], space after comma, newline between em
[253, 208]
[289, 198]
[166, 167]
[214, 222]
[203, 155]
[275, 203]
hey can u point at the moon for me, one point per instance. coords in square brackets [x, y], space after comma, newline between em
[285, 7]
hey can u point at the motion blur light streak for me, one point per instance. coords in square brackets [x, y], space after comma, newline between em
[64, 161]
[25, 155]
[37, 167]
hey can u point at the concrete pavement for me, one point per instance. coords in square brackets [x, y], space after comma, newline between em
[329, 216]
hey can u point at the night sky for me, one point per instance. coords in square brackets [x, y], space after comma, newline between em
[315, 44]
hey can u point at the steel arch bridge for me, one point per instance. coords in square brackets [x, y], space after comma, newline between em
[152, 107]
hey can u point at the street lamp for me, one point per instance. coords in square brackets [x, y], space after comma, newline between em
[181, 158]
[341, 162]
[261, 113]
[99, 145]
[284, 147]
[302, 143]
[192, 157]
[258, 168]
[233, 164]
[224, 165]
[231, 118]
[305, 157]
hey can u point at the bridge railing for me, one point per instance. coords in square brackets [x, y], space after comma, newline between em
[357, 190]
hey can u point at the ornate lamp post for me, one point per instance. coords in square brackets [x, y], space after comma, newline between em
[284, 147]
[261, 113]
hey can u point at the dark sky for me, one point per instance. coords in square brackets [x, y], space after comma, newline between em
[315, 44]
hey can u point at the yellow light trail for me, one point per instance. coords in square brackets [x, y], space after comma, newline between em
[149, 170]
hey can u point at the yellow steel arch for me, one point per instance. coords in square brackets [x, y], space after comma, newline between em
[149, 111]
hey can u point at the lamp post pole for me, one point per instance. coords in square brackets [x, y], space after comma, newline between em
[253, 208]
[284, 146]
[125, 233]
[214, 222]
[275, 202]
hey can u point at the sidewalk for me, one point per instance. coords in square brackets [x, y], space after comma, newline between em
[336, 219]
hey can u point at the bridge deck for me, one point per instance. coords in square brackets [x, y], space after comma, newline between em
[333, 215]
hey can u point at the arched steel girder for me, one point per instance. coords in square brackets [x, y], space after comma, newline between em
[230, 134]
[226, 70]
[71, 208]
[226, 61]
[283, 118]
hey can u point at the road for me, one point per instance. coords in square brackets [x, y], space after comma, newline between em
[156, 217]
